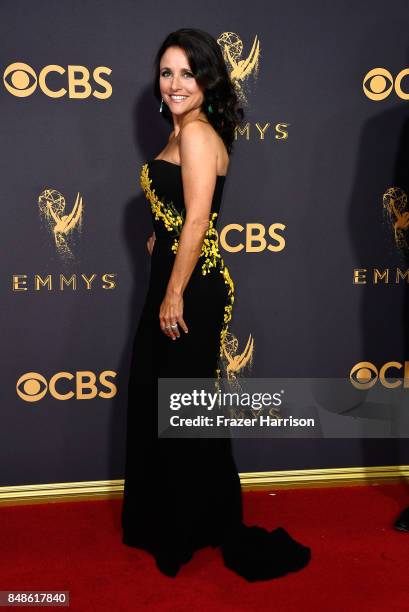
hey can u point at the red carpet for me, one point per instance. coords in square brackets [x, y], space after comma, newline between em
[358, 561]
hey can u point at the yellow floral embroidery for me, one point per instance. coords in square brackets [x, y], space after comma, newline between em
[169, 214]
[173, 221]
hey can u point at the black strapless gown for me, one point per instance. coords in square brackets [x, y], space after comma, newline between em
[182, 494]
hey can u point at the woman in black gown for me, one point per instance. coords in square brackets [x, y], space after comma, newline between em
[182, 494]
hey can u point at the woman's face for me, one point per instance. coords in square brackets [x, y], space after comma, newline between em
[176, 79]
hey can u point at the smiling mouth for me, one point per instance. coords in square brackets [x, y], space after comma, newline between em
[177, 98]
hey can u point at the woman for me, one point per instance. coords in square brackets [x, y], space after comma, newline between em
[182, 494]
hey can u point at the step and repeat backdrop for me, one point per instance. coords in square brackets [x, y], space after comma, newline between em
[313, 226]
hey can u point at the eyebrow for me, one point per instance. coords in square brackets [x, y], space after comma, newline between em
[167, 68]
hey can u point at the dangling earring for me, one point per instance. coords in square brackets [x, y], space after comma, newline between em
[161, 106]
[209, 108]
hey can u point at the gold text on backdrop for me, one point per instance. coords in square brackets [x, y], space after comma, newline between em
[83, 385]
[60, 282]
[20, 80]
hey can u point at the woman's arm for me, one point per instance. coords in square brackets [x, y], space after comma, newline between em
[199, 171]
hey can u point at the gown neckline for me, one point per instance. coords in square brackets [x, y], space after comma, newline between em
[155, 159]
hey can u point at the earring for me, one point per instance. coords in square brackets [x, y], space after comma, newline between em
[209, 108]
[161, 106]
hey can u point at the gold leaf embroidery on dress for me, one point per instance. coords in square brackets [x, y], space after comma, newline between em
[173, 222]
[167, 213]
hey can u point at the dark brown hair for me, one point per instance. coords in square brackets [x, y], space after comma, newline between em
[209, 69]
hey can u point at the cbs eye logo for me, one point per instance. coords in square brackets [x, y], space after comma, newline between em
[364, 375]
[21, 81]
[378, 84]
[32, 386]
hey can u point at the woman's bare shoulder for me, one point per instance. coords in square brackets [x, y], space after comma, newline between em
[195, 127]
[198, 129]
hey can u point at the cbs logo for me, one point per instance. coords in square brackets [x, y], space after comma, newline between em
[32, 386]
[364, 374]
[254, 239]
[21, 81]
[378, 84]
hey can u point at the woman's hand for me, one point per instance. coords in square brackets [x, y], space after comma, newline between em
[151, 243]
[171, 315]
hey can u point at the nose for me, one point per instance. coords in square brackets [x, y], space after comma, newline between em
[174, 86]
